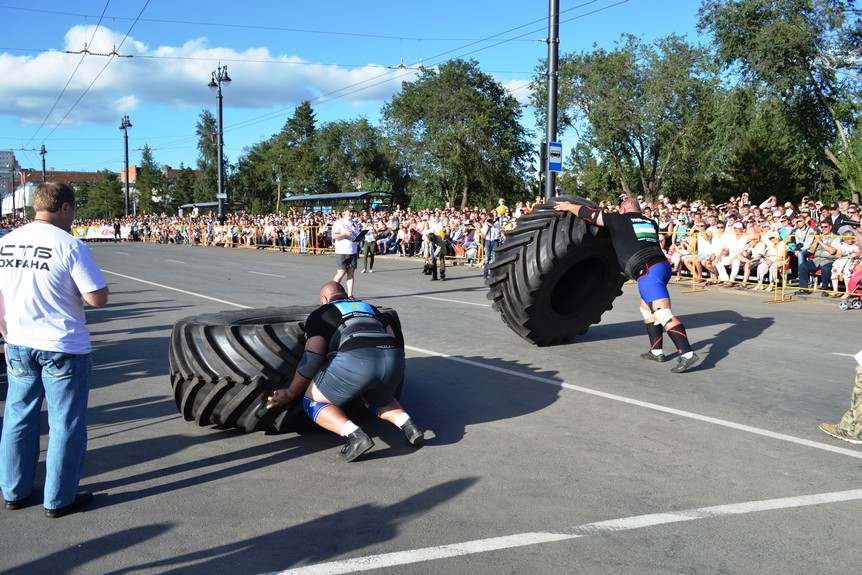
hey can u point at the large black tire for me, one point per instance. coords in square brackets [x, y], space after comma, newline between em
[224, 365]
[554, 276]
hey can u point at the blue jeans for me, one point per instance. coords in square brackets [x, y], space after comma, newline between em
[490, 248]
[63, 379]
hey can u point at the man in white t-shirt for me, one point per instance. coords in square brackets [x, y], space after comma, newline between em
[44, 275]
[344, 232]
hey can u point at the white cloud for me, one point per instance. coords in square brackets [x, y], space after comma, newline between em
[172, 76]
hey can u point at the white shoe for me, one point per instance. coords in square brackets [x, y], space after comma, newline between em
[362, 272]
[370, 271]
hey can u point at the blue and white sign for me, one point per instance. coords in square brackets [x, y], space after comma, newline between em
[555, 157]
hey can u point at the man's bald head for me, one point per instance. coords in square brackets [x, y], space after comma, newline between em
[331, 291]
[630, 205]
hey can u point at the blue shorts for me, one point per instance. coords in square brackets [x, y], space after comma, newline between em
[653, 284]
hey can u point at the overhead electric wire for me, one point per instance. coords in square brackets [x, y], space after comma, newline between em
[245, 26]
[69, 81]
[346, 90]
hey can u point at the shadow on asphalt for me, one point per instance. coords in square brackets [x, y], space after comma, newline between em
[314, 541]
[733, 330]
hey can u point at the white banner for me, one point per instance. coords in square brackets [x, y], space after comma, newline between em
[88, 233]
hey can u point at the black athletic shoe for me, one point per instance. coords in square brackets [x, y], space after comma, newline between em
[15, 505]
[653, 357]
[82, 499]
[358, 443]
[684, 364]
[414, 435]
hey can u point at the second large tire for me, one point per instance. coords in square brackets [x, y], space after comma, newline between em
[224, 365]
[554, 276]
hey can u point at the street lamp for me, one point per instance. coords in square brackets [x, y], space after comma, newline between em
[125, 124]
[220, 77]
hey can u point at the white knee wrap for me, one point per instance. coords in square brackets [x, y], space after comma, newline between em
[663, 315]
[646, 313]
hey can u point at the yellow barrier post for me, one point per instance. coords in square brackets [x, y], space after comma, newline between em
[694, 273]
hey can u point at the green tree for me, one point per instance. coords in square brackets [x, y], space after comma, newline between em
[206, 186]
[151, 183]
[457, 133]
[182, 190]
[295, 154]
[256, 178]
[104, 199]
[754, 149]
[353, 156]
[804, 55]
[634, 107]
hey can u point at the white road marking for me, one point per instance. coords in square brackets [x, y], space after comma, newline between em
[397, 558]
[453, 300]
[122, 253]
[595, 392]
[175, 261]
[519, 540]
[647, 405]
[266, 274]
[163, 286]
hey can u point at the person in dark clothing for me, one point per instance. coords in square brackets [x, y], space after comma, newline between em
[437, 257]
[636, 243]
[350, 352]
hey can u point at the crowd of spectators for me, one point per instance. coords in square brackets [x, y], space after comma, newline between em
[735, 244]
[398, 231]
[742, 245]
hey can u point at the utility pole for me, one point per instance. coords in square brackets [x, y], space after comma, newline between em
[553, 81]
[42, 152]
[125, 124]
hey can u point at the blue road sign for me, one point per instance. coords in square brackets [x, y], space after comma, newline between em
[555, 157]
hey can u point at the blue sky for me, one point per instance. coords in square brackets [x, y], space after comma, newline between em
[336, 54]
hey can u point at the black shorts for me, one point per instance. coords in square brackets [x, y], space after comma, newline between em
[346, 261]
[371, 371]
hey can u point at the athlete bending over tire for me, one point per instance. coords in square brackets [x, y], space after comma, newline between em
[636, 243]
[349, 352]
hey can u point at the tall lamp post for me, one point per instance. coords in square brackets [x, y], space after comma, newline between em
[125, 124]
[220, 77]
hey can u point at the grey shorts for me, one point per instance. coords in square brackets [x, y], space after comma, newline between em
[346, 261]
[373, 372]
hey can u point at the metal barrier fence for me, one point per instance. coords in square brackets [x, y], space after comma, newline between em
[306, 240]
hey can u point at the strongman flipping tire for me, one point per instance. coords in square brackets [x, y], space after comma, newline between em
[636, 243]
[350, 352]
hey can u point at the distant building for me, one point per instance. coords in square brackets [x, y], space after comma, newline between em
[28, 179]
[8, 169]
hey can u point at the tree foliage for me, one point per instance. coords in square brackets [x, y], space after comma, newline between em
[206, 185]
[804, 55]
[104, 200]
[182, 189]
[457, 132]
[353, 157]
[295, 153]
[151, 183]
[257, 177]
[635, 107]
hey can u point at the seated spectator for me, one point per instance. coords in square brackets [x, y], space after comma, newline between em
[752, 258]
[824, 249]
[848, 257]
[771, 262]
[732, 245]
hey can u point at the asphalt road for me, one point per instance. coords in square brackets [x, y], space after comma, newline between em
[581, 458]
